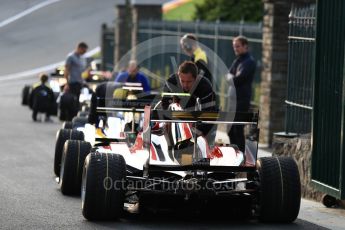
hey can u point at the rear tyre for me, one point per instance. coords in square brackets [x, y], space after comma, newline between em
[78, 122]
[103, 186]
[83, 114]
[26, 94]
[74, 154]
[67, 125]
[280, 189]
[61, 136]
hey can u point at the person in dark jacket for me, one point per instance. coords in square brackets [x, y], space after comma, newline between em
[42, 98]
[98, 100]
[190, 46]
[200, 89]
[242, 73]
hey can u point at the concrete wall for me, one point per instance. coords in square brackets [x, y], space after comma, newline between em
[143, 12]
[274, 68]
[123, 25]
[126, 26]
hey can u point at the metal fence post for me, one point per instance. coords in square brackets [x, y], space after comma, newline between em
[150, 44]
[240, 32]
[300, 63]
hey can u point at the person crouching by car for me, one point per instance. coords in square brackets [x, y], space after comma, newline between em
[42, 98]
[134, 75]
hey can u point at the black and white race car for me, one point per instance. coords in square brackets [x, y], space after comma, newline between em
[75, 140]
[169, 164]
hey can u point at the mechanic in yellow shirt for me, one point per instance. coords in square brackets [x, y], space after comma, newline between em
[189, 44]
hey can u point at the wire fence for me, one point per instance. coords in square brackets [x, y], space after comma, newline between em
[302, 33]
[216, 36]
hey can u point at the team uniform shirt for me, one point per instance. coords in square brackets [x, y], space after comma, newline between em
[202, 89]
[200, 59]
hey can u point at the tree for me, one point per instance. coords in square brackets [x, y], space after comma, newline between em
[230, 10]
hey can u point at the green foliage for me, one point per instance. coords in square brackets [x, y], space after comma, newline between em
[229, 10]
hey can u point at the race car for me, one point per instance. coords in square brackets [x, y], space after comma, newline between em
[69, 127]
[169, 164]
[72, 145]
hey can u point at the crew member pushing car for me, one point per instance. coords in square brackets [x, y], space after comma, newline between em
[187, 80]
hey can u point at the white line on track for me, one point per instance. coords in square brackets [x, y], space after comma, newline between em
[26, 12]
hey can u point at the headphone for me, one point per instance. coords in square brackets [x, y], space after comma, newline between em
[187, 42]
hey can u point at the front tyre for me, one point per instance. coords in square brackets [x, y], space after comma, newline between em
[74, 154]
[61, 136]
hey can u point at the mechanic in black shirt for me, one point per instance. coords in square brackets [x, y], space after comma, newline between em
[242, 73]
[187, 80]
[190, 46]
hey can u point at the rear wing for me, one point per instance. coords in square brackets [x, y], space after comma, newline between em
[124, 105]
[206, 117]
[117, 109]
[110, 95]
[249, 119]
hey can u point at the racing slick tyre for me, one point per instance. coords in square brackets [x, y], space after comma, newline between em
[61, 136]
[103, 186]
[67, 125]
[78, 122]
[26, 94]
[72, 162]
[83, 114]
[279, 190]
